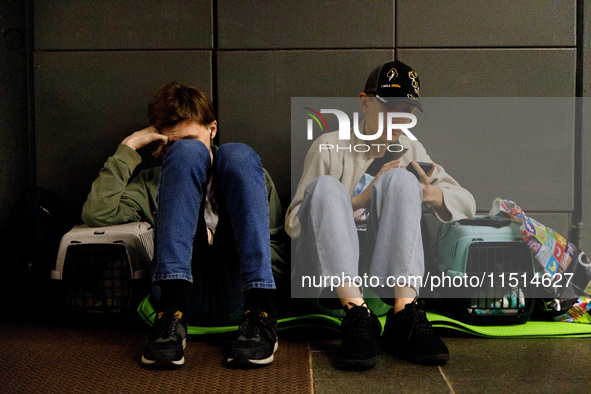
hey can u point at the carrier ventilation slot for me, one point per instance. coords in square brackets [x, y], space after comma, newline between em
[97, 278]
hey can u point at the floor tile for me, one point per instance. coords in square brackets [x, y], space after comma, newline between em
[389, 375]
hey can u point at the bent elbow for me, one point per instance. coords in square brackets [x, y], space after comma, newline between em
[92, 218]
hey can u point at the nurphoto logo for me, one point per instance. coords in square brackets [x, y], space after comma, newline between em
[402, 121]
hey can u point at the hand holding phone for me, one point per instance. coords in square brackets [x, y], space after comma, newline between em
[424, 166]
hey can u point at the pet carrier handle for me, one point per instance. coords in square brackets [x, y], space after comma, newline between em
[486, 221]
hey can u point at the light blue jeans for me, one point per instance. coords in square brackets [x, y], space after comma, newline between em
[240, 257]
[329, 244]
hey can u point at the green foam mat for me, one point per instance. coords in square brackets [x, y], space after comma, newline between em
[531, 329]
[147, 313]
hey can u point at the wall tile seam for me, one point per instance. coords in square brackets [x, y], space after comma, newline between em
[549, 48]
[303, 49]
[484, 48]
[447, 48]
[36, 50]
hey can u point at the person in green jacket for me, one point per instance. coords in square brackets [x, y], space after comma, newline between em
[218, 228]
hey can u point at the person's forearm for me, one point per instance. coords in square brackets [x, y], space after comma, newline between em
[362, 199]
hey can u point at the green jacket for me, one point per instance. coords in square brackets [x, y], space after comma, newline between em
[114, 199]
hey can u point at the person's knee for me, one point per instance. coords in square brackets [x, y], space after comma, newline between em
[325, 185]
[235, 156]
[399, 176]
[190, 152]
[325, 191]
[398, 181]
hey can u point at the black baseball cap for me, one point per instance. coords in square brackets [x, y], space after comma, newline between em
[393, 82]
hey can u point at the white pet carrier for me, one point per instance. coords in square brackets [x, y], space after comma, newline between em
[101, 267]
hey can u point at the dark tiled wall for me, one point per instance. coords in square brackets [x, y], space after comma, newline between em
[97, 64]
[15, 163]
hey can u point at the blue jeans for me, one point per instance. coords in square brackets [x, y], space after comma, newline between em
[240, 257]
[329, 244]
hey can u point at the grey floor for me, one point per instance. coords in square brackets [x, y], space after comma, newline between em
[477, 365]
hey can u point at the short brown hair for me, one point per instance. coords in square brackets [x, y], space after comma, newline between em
[174, 103]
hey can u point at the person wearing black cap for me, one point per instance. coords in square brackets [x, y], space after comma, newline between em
[343, 192]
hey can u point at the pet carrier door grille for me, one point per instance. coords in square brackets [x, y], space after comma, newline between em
[497, 262]
[97, 278]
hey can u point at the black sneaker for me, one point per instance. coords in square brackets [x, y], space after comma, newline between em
[409, 335]
[257, 340]
[361, 331]
[167, 341]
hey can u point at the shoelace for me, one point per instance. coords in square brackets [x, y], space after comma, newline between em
[357, 321]
[250, 328]
[420, 323]
[168, 327]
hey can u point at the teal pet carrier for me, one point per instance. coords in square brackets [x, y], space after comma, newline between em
[486, 268]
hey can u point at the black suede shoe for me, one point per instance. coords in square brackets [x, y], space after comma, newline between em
[167, 341]
[409, 335]
[257, 341]
[361, 331]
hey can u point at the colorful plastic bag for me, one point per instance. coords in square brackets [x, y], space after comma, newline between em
[560, 259]
[578, 313]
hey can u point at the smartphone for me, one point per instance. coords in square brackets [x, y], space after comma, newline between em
[425, 166]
